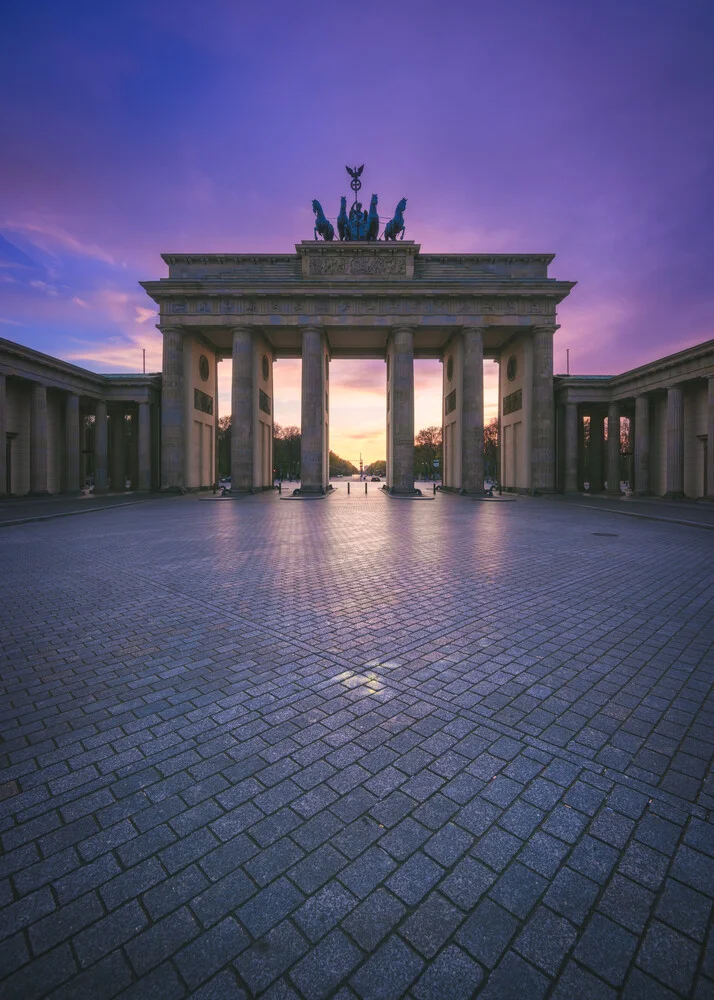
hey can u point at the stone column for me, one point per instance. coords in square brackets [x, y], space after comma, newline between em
[710, 438]
[642, 446]
[242, 404]
[312, 450]
[675, 442]
[595, 450]
[144, 447]
[613, 450]
[570, 478]
[173, 431]
[72, 443]
[542, 416]
[100, 446]
[3, 433]
[118, 470]
[402, 412]
[38, 440]
[471, 410]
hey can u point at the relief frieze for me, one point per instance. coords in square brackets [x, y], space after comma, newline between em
[357, 264]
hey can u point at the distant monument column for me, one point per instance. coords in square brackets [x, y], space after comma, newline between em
[471, 410]
[172, 411]
[675, 442]
[542, 419]
[402, 411]
[100, 446]
[570, 483]
[144, 447]
[71, 430]
[242, 405]
[3, 432]
[38, 440]
[613, 450]
[710, 437]
[313, 474]
[642, 446]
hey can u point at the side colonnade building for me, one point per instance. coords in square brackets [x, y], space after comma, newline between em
[62, 427]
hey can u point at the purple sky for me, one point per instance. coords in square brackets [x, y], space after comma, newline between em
[579, 127]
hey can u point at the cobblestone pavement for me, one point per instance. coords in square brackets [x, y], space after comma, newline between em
[356, 748]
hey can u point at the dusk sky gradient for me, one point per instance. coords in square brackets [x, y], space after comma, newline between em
[576, 127]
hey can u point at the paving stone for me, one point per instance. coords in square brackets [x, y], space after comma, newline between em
[431, 925]
[487, 932]
[627, 903]
[593, 858]
[571, 894]
[496, 848]
[263, 961]
[210, 952]
[606, 949]
[221, 898]
[448, 845]
[578, 982]
[518, 889]
[269, 906]
[326, 966]
[543, 853]
[323, 910]
[413, 879]
[467, 883]
[366, 873]
[545, 940]
[161, 941]
[684, 909]
[640, 986]
[452, 975]
[388, 973]
[515, 979]
[669, 957]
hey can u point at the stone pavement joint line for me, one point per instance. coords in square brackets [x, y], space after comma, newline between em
[356, 750]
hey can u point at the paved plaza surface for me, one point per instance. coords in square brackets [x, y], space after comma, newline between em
[357, 748]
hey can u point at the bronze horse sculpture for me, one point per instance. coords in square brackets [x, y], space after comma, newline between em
[323, 226]
[396, 225]
[342, 220]
[373, 219]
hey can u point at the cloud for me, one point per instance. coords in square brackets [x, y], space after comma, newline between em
[142, 314]
[11, 322]
[80, 302]
[48, 236]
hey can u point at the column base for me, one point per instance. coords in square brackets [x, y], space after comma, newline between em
[641, 493]
[614, 493]
[402, 491]
[39, 493]
[675, 495]
[312, 491]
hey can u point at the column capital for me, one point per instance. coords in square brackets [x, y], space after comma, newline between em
[544, 328]
[475, 327]
[311, 328]
[242, 328]
[171, 328]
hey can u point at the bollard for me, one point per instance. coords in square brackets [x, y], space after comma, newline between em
[434, 489]
[365, 489]
[280, 486]
[348, 489]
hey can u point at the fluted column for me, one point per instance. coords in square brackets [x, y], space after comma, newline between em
[402, 411]
[542, 417]
[313, 475]
[642, 446]
[3, 432]
[72, 442]
[242, 405]
[38, 440]
[173, 432]
[595, 452]
[471, 410]
[675, 442]
[144, 446]
[613, 449]
[570, 479]
[710, 438]
[100, 446]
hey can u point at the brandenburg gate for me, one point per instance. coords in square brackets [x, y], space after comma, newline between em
[357, 298]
